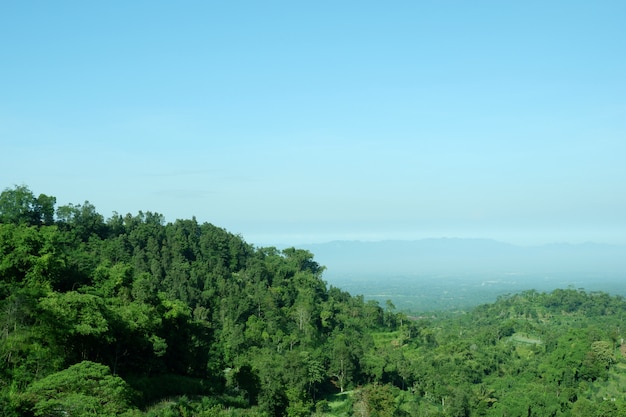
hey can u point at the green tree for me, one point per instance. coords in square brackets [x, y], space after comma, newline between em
[32, 256]
[597, 361]
[84, 389]
[374, 400]
[83, 220]
[342, 360]
[299, 404]
[79, 322]
[20, 206]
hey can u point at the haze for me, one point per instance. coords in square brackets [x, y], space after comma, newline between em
[440, 274]
[293, 123]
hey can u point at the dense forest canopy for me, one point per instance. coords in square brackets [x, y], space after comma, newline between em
[136, 316]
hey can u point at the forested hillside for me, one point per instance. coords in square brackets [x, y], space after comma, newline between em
[136, 316]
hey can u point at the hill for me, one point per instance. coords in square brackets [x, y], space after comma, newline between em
[134, 316]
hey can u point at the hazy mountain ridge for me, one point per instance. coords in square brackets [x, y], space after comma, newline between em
[466, 256]
[450, 273]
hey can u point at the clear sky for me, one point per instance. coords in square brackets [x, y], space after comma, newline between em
[297, 122]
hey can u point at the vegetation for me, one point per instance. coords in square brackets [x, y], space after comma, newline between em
[138, 317]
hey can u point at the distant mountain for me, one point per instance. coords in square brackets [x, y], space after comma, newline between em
[467, 256]
[447, 274]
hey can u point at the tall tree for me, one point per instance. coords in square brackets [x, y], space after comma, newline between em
[20, 206]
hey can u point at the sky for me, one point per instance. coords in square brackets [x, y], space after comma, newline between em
[292, 122]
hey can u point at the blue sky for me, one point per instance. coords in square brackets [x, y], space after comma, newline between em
[296, 122]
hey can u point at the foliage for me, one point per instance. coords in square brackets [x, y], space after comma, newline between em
[84, 389]
[135, 315]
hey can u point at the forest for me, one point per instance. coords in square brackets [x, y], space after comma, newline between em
[134, 316]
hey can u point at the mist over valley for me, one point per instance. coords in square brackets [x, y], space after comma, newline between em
[450, 273]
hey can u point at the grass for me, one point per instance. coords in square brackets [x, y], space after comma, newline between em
[338, 405]
[384, 339]
[525, 339]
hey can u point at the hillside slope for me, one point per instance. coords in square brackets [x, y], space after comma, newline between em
[133, 316]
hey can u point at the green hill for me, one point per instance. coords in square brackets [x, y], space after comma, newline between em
[136, 316]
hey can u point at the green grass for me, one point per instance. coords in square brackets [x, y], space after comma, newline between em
[525, 339]
[339, 405]
[383, 339]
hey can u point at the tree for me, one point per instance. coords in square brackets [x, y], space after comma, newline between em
[80, 322]
[31, 255]
[20, 206]
[83, 220]
[375, 400]
[457, 404]
[84, 389]
[598, 360]
[389, 315]
[341, 361]
[299, 404]
[270, 368]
